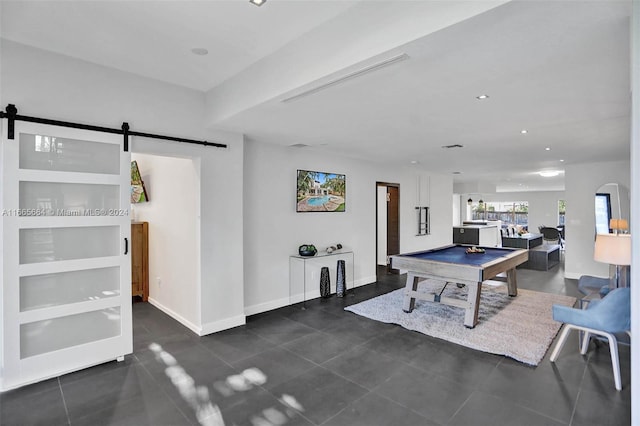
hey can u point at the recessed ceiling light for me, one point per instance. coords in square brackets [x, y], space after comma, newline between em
[200, 51]
[549, 173]
[258, 2]
[562, 161]
[547, 149]
[414, 161]
[456, 173]
[481, 97]
[524, 131]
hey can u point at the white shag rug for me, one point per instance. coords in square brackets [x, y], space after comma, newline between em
[519, 327]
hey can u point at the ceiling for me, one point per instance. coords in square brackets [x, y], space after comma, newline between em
[558, 69]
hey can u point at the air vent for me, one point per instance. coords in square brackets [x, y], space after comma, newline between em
[299, 145]
[455, 145]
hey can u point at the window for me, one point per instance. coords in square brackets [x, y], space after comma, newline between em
[562, 207]
[603, 213]
[511, 213]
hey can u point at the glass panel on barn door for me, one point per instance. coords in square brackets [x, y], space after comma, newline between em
[65, 229]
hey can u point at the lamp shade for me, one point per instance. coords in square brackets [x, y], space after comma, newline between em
[619, 224]
[613, 249]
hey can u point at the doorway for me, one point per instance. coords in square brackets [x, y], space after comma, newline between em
[388, 226]
[172, 217]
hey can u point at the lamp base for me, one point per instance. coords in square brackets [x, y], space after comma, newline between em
[620, 276]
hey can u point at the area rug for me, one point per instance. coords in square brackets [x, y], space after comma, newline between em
[519, 327]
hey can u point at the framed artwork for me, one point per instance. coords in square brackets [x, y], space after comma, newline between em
[138, 191]
[320, 192]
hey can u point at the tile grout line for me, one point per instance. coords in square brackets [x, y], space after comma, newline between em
[165, 393]
[461, 406]
[373, 391]
[531, 409]
[64, 402]
[347, 406]
[399, 403]
[575, 403]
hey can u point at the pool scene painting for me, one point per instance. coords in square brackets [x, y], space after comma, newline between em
[320, 192]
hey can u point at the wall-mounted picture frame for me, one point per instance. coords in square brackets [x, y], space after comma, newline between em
[138, 191]
[320, 192]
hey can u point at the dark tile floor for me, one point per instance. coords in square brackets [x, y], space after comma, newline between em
[325, 366]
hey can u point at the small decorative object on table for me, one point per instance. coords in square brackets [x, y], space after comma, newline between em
[331, 249]
[325, 282]
[474, 250]
[341, 288]
[307, 250]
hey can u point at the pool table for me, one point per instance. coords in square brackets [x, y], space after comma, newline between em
[452, 264]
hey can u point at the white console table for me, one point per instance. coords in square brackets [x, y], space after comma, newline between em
[304, 274]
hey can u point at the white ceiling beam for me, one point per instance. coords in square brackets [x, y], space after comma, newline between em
[364, 31]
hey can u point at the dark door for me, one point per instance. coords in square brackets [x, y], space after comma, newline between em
[393, 223]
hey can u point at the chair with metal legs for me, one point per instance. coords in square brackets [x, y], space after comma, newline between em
[604, 318]
[551, 236]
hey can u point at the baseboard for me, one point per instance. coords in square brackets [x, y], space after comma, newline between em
[208, 328]
[572, 275]
[191, 326]
[225, 324]
[286, 301]
[364, 281]
[266, 306]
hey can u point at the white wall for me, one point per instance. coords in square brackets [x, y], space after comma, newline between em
[173, 213]
[457, 202]
[635, 209]
[45, 84]
[273, 229]
[382, 225]
[581, 184]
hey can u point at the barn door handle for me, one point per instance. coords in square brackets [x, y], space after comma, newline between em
[126, 245]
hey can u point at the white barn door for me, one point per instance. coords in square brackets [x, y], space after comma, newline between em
[66, 271]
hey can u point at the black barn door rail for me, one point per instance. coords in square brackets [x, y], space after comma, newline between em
[11, 114]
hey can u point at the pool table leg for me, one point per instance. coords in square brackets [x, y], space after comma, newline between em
[473, 298]
[412, 285]
[512, 284]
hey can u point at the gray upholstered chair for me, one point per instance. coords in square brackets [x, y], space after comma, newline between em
[589, 285]
[604, 317]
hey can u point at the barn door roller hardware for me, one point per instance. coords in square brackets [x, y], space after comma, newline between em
[11, 114]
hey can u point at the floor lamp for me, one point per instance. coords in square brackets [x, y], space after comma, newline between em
[615, 249]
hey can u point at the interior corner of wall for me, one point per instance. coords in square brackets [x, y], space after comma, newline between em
[196, 328]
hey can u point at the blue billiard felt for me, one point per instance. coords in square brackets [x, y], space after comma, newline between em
[458, 255]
